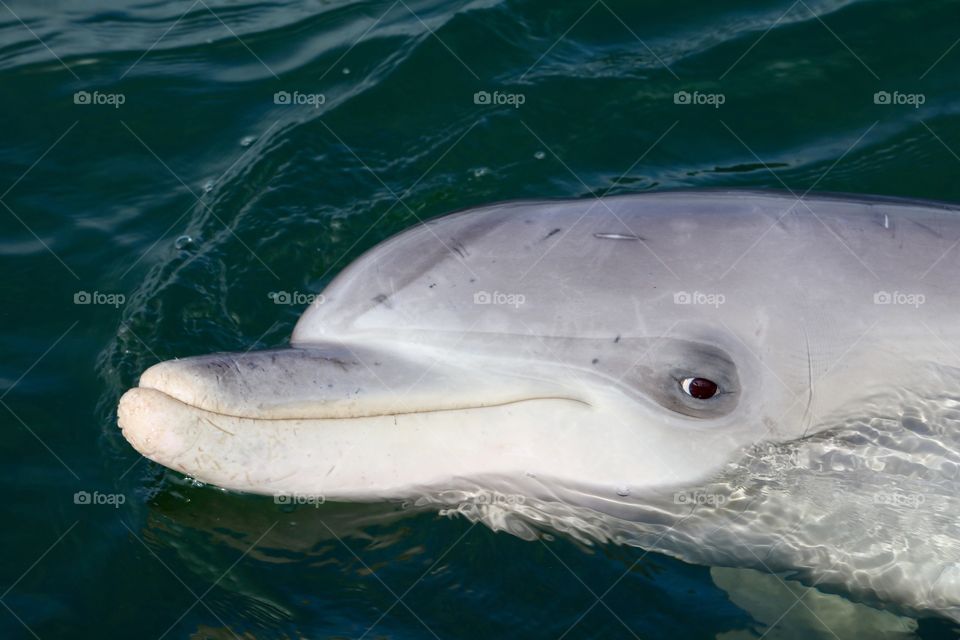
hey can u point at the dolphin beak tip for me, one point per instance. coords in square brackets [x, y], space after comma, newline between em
[142, 416]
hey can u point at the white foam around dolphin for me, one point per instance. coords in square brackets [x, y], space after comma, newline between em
[530, 364]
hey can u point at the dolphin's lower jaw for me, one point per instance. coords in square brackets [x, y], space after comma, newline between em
[330, 458]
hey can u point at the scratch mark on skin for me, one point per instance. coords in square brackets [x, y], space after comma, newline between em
[343, 364]
[928, 229]
[383, 299]
[617, 236]
[218, 428]
[189, 449]
[459, 249]
[807, 416]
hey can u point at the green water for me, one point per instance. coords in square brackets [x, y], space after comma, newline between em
[200, 195]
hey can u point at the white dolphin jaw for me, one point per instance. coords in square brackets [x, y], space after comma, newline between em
[414, 453]
[329, 421]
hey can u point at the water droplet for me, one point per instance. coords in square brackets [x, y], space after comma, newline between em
[183, 242]
[623, 491]
[346, 71]
[539, 155]
[246, 141]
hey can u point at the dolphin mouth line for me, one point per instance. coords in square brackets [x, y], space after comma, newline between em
[384, 414]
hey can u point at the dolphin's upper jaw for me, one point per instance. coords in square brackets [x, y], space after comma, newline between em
[336, 382]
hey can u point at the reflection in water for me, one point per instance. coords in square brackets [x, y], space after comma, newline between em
[232, 541]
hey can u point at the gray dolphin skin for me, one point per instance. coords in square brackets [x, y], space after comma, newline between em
[736, 379]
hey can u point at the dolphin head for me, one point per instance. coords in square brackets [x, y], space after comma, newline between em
[523, 347]
[596, 352]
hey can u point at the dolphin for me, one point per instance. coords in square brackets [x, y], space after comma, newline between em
[733, 378]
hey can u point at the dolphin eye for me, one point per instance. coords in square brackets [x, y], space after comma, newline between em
[699, 388]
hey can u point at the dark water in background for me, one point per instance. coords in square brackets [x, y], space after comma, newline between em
[199, 195]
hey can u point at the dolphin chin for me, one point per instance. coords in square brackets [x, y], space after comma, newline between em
[735, 379]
